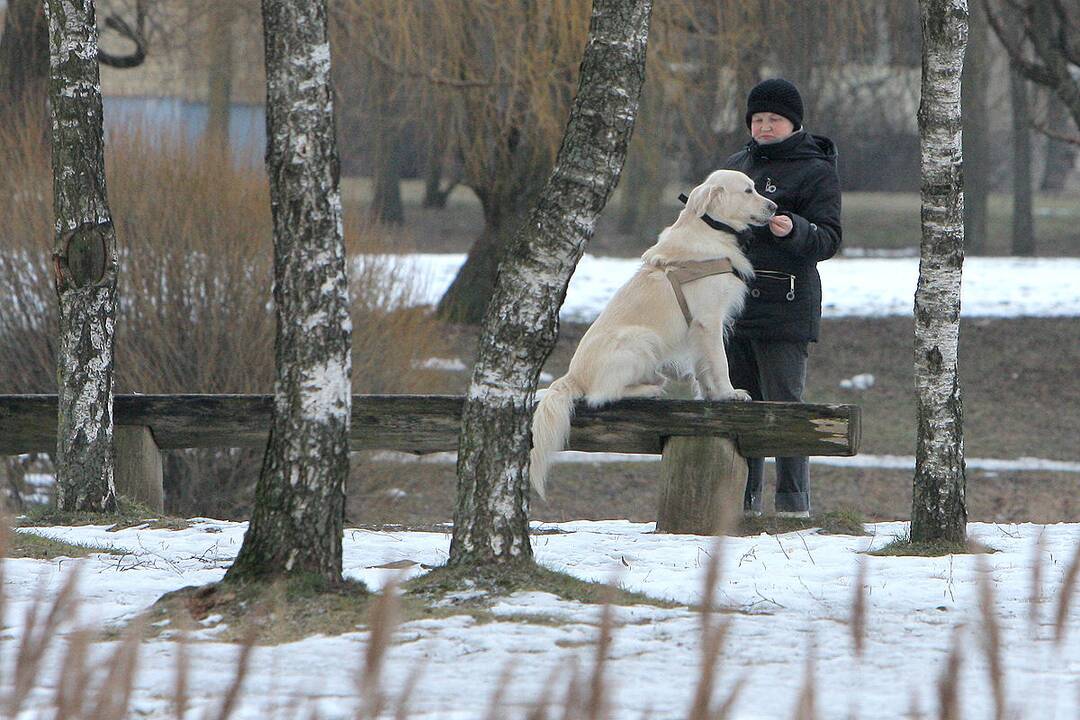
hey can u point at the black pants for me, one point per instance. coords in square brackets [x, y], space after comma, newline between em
[772, 370]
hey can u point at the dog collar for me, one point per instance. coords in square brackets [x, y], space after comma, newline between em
[713, 222]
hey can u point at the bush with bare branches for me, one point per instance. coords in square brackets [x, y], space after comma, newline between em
[194, 295]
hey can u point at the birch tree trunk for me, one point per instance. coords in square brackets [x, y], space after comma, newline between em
[939, 511]
[521, 323]
[84, 262]
[296, 526]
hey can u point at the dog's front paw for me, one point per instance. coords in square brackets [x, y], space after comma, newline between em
[740, 395]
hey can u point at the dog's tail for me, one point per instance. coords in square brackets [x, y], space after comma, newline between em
[551, 427]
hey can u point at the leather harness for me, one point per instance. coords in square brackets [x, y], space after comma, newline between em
[687, 271]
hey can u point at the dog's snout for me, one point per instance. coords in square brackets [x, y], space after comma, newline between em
[770, 205]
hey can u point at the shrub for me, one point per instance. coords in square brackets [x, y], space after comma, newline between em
[195, 313]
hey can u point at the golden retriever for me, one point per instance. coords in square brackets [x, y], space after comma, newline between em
[672, 313]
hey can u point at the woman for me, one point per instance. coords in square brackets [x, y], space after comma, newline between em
[767, 351]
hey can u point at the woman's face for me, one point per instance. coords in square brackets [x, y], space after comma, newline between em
[767, 127]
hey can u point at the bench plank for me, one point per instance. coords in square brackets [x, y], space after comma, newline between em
[431, 423]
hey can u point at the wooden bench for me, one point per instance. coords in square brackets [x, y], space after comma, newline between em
[703, 444]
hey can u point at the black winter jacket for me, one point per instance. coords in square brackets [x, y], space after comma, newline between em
[799, 175]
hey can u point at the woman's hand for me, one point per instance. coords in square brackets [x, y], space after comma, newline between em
[780, 225]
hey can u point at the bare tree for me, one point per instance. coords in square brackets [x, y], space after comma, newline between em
[1060, 153]
[296, 526]
[939, 510]
[976, 119]
[1023, 215]
[1042, 38]
[219, 79]
[24, 53]
[521, 324]
[84, 261]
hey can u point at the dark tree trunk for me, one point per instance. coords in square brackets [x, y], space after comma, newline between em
[84, 263]
[939, 510]
[1060, 155]
[468, 295]
[386, 205]
[219, 76]
[435, 194]
[24, 61]
[1023, 216]
[386, 149]
[976, 120]
[521, 324]
[296, 526]
[506, 199]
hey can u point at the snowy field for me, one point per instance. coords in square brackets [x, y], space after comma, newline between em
[785, 596]
[868, 287]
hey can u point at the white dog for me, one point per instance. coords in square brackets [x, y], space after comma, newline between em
[673, 312]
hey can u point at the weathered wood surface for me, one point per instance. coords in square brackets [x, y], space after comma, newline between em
[702, 481]
[431, 423]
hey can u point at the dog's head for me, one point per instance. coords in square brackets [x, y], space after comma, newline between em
[729, 196]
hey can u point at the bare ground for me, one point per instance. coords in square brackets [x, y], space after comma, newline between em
[1021, 399]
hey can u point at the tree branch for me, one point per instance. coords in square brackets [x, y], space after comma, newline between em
[1070, 45]
[137, 57]
[1056, 135]
[1034, 71]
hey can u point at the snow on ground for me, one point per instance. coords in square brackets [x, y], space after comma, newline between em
[852, 286]
[884, 462]
[783, 595]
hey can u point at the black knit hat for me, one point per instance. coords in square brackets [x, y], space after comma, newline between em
[775, 96]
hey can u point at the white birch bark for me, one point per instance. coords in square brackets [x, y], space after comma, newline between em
[521, 324]
[296, 526]
[938, 506]
[84, 262]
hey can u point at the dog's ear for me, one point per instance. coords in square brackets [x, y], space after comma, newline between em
[702, 197]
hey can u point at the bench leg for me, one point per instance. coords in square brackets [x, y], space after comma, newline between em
[702, 484]
[138, 474]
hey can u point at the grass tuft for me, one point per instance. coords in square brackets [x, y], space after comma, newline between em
[43, 547]
[129, 513]
[273, 612]
[836, 522]
[436, 585]
[903, 546]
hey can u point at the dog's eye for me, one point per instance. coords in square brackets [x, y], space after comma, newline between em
[749, 191]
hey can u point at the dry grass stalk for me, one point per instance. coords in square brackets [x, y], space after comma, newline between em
[180, 699]
[1065, 597]
[401, 707]
[713, 639]
[858, 610]
[990, 636]
[806, 707]
[498, 698]
[595, 705]
[383, 621]
[37, 635]
[539, 710]
[572, 699]
[949, 683]
[73, 685]
[1035, 599]
[233, 692]
[914, 706]
[114, 695]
